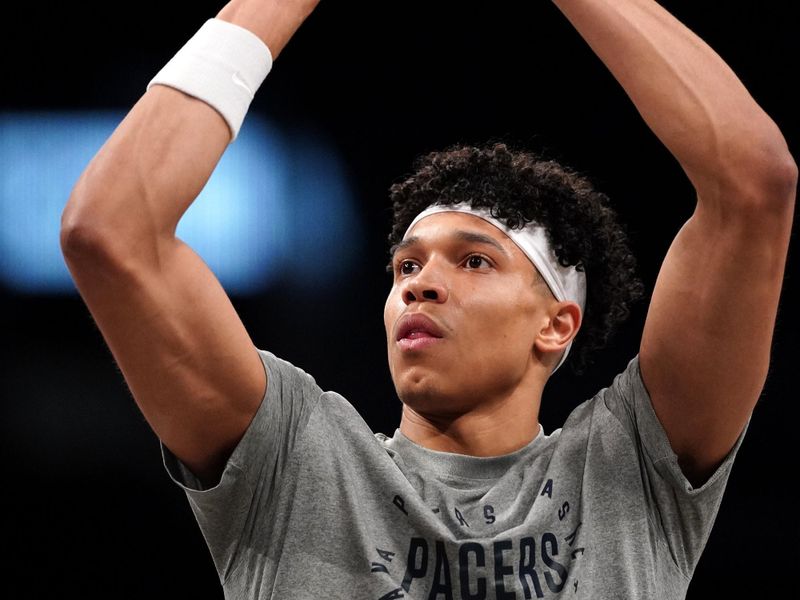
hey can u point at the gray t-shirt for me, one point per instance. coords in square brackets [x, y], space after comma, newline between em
[312, 504]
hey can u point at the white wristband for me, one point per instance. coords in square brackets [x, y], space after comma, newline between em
[223, 65]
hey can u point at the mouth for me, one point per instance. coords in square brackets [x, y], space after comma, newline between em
[416, 331]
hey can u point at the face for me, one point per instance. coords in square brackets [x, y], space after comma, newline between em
[467, 305]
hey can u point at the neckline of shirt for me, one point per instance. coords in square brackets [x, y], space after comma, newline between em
[459, 465]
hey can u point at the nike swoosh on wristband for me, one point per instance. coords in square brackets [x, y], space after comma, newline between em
[241, 83]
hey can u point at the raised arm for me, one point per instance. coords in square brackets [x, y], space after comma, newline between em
[181, 347]
[705, 348]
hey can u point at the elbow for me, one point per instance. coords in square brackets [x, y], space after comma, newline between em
[768, 181]
[745, 168]
[95, 248]
[96, 235]
[83, 235]
[112, 222]
[766, 184]
[89, 239]
[780, 180]
[789, 178]
[77, 240]
[81, 240]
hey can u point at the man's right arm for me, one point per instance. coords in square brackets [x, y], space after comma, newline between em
[185, 354]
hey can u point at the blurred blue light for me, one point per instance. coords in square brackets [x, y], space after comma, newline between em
[278, 205]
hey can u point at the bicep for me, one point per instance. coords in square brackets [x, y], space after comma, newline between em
[184, 352]
[706, 342]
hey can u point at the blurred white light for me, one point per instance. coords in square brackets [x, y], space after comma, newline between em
[277, 206]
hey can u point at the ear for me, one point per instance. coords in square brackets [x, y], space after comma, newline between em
[561, 328]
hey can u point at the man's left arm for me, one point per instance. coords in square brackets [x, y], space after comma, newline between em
[705, 348]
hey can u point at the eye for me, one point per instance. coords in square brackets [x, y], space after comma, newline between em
[476, 261]
[407, 267]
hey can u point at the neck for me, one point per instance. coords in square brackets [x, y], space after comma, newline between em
[493, 428]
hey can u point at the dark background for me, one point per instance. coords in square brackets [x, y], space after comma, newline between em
[87, 507]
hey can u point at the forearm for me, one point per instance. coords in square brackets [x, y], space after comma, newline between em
[145, 177]
[147, 173]
[685, 92]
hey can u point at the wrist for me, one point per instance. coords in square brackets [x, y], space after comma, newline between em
[223, 65]
[273, 22]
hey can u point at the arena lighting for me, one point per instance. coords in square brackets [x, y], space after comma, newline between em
[278, 205]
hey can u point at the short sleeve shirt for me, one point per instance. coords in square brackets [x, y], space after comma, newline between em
[313, 504]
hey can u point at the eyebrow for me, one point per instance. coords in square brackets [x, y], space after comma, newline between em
[460, 235]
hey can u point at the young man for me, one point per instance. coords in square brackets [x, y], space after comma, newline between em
[500, 260]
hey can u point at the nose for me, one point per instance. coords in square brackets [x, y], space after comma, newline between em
[425, 286]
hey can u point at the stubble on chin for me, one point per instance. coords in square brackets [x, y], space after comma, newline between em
[428, 399]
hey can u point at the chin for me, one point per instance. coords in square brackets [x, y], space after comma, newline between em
[412, 392]
[428, 398]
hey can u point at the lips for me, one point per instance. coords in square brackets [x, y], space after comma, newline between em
[414, 326]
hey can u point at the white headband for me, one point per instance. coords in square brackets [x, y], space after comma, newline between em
[566, 283]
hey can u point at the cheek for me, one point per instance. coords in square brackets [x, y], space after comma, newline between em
[391, 311]
[505, 307]
[508, 323]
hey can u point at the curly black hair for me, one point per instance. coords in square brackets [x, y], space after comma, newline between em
[519, 187]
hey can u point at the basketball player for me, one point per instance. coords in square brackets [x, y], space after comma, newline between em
[500, 261]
